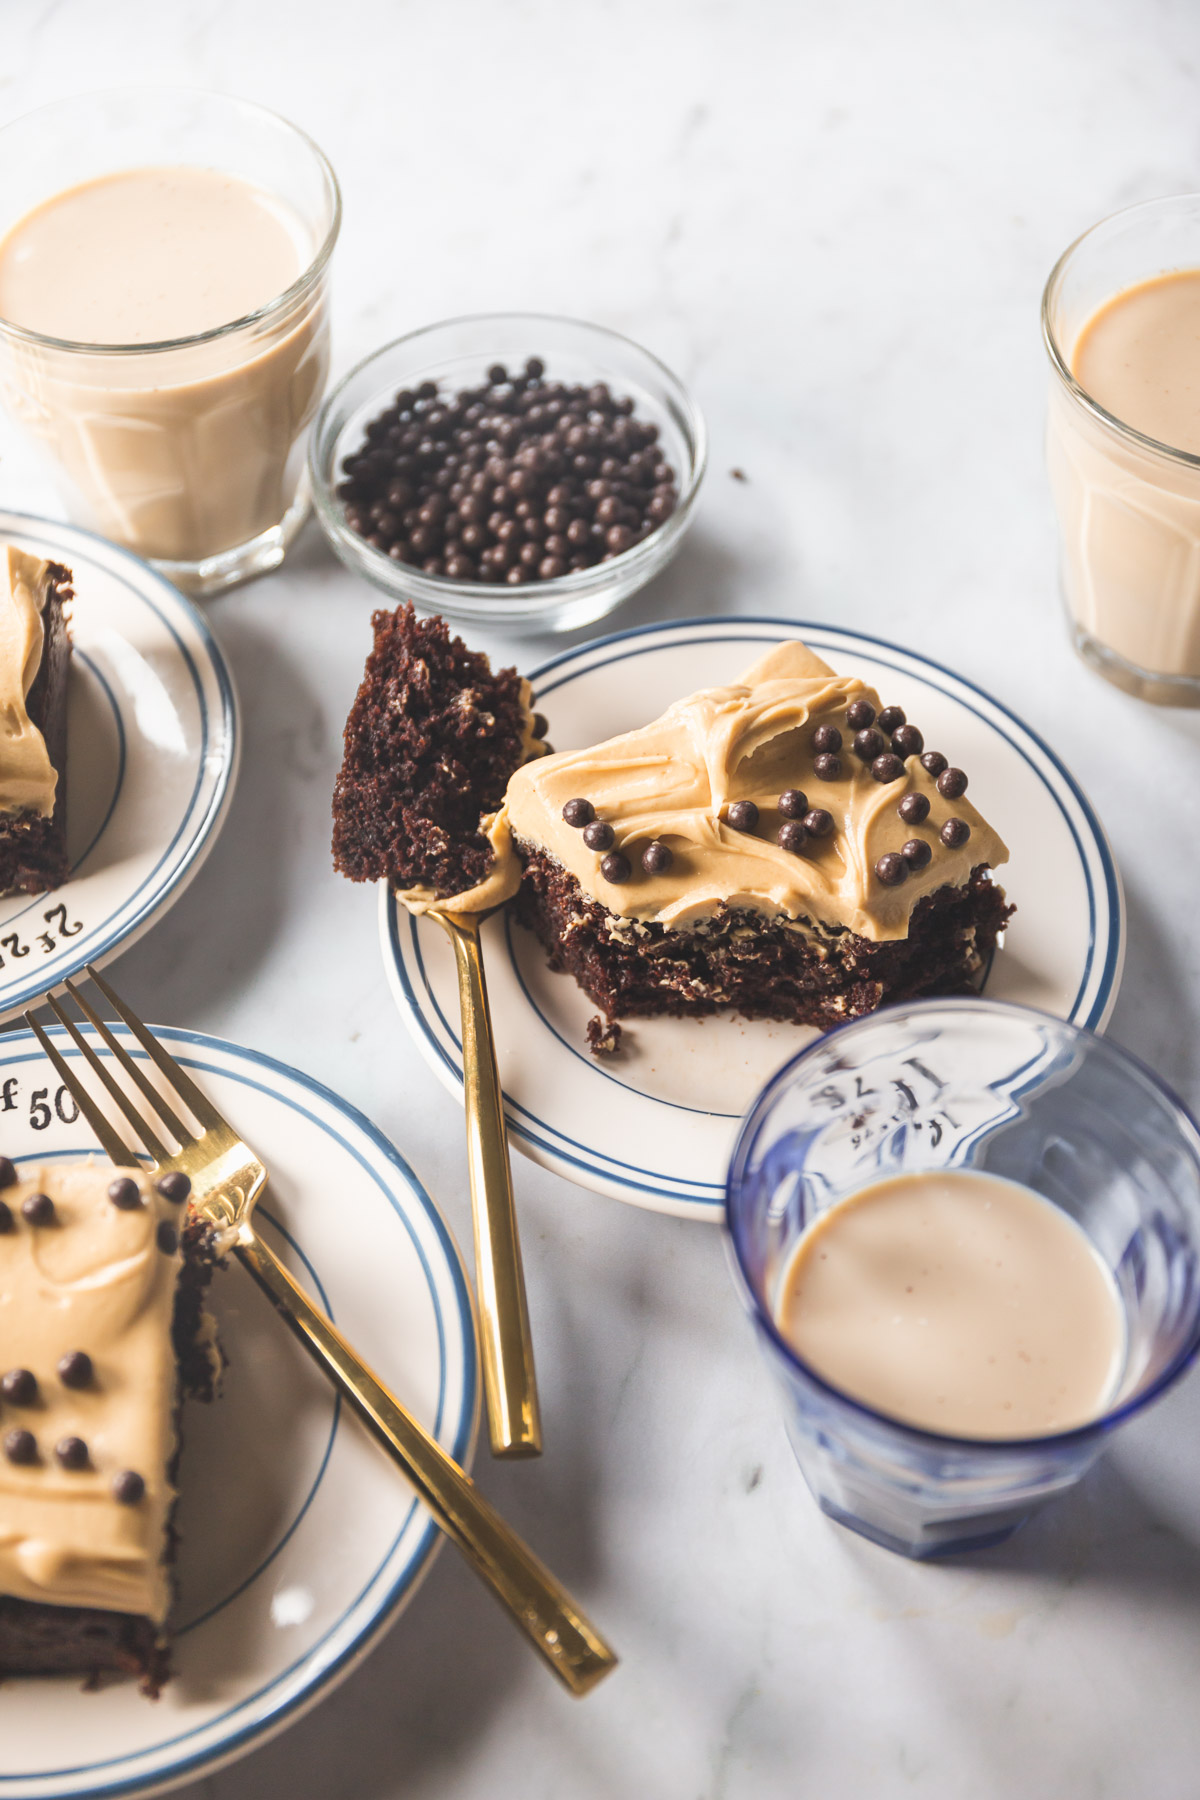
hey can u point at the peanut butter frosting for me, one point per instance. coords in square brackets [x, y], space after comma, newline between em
[98, 1279]
[674, 781]
[28, 779]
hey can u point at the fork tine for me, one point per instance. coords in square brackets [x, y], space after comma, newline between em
[113, 1144]
[115, 1091]
[185, 1088]
[169, 1118]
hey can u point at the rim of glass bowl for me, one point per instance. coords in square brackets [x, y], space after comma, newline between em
[748, 1132]
[276, 307]
[526, 600]
[1058, 361]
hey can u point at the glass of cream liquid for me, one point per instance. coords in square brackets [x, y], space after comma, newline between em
[164, 334]
[1121, 323]
[968, 1236]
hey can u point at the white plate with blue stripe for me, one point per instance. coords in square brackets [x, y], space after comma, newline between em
[299, 1540]
[152, 756]
[654, 1125]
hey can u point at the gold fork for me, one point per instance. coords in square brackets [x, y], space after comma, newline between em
[227, 1178]
[506, 1346]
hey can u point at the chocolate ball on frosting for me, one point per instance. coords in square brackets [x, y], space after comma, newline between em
[869, 744]
[616, 868]
[38, 1209]
[952, 784]
[72, 1453]
[887, 768]
[7, 1222]
[174, 1186]
[75, 1369]
[933, 762]
[599, 835]
[891, 718]
[8, 1173]
[125, 1193]
[908, 741]
[19, 1387]
[860, 714]
[792, 836]
[20, 1446]
[818, 822]
[891, 869]
[828, 767]
[914, 809]
[657, 858]
[742, 815]
[826, 738]
[917, 853]
[792, 803]
[579, 813]
[954, 833]
[128, 1487]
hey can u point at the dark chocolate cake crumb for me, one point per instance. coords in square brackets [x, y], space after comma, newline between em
[430, 744]
[603, 1036]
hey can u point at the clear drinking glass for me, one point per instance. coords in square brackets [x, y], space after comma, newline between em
[1003, 1090]
[1128, 507]
[189, 452]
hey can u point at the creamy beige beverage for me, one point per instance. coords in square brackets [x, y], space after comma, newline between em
[959, 1302]
[1129, 512]
[1139, 356]
[180, 453]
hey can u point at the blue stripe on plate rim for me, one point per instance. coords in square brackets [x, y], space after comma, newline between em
[204, 814]
[343, 1644]
[1097, 988]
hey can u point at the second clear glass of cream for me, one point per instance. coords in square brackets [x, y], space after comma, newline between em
[1121, 324]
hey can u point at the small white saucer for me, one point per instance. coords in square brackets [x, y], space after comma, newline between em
[151, 760]
[654, 1124]
[300, 1540]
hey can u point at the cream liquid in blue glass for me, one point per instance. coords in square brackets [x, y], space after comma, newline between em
[957, 1302]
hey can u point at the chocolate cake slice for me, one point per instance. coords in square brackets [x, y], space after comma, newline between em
[103, 1333]
[430, 743]
[35, 654]
[784, 846]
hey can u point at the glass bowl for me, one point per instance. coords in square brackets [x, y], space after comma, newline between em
[1003, 1090]
[457, 354]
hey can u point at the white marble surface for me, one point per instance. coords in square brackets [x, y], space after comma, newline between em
[835, 221]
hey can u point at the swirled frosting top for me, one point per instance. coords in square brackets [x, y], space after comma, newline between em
[27, 776]
[95, 1280]
[675, 780]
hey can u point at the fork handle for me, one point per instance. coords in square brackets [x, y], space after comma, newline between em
[542, 1608]
[506, 1345]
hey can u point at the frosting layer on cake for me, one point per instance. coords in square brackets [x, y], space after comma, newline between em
[28, 779]
[674, 781]
[99, 1279]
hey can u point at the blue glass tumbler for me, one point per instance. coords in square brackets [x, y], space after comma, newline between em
[1002, 1090]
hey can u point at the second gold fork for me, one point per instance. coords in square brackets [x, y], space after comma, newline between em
[227, 1178]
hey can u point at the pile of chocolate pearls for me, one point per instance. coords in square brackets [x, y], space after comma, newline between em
[518, 480]
[883, 741]
[870, 742]
[75, 1369]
